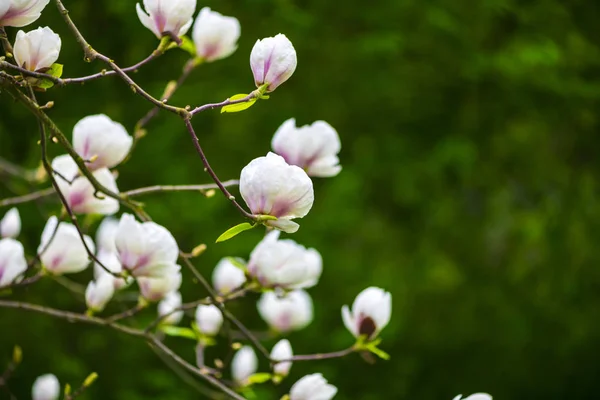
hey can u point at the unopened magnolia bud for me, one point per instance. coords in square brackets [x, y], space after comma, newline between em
[371, 312]
[99, 292]
[19, 13]
[101, 141]
[105, 235]
[291, 312]
[282, 351]
[209, 319]
[63, 252]
[10, 225]
[243, 365]
[215, 36]
[313, 148]
[46, 387]
[312, 387]
[227, 277]
[167, 17]
[273, 60]
[167, 306]
[476, 396]
[12, 261]
[37, 49]
[270, 186]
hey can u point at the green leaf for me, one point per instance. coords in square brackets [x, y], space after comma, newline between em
[56, 71]
[231, 232]
[260, 377]
[179, 332]
[188, 45]
[239, 106]
[372, 347]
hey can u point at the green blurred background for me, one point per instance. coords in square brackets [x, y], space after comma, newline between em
[469, 190]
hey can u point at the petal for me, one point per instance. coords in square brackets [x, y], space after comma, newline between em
[10, 225]
[146, 20]
[12, 261]
[349, 321]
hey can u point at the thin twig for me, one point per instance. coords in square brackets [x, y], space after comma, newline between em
[27, 198]
[178, 188]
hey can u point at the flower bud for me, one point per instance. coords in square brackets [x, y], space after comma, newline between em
[313, 148]
[37, 50]
[155, 288]
[209, 319]
[167, 306]
[291, 312]
[46, 387]
[105, 235]
[476, 396]
[282, 351]
[145, 249]
[371, 312]
[270, 186]
[10, 225]
[243, 365]
[227, 277]
[165, 17]
[273, 60]
[12, 261]
[312, 387]
[78, 190]
[111, 262]
[215, 35]
[19, 13]
[102, 140]
[63, 252]
[284, 263]
[99, 292]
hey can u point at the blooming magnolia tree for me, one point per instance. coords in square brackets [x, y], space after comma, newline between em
[132, 254]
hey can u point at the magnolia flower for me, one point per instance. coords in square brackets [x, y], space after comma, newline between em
[312, 387]
[37, 50]
[243, 365]
[282, 351]
[12, 261]
[111, 262]
[291, 312]
[167, 16]
[105, 235]
[476, 396]
[273, 60]
[99, 292]
[270, 186]
[371, 312]
[145, 249]
[78, 190]
[284, 263]
[167, 307]
[227, 277]
[215, 36]
[10, 225]
[209, 319]
[46, 387]
[63, 252]
[19, 13]
[155, 288]
[313, 148]
[102, 141]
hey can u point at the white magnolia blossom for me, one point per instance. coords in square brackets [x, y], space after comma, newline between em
[209, 319]
[167, 306]
[63, 252]
[291, 312]
[99, 292]
[476, 396]
[243, 365]
[99, 139]
[19, 13]
[284, 263]
[313, 148]
[37, 50]
[215, 36]
[10, 225]
[167, 16]
[273, 60]
[79, 191]
[155, 288]
[282, 351]
[227, 277]
[312, 387]
[46, 387]
[106, 233]
[371, 312]
[270, 186]
[12, 261]
[110, 261]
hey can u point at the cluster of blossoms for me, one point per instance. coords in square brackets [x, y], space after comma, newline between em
[277, 188]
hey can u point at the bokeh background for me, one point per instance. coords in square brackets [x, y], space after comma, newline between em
[469, 190]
